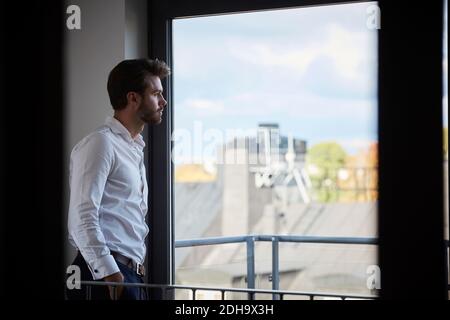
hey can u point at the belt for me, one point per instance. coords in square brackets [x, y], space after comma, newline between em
[135, 266]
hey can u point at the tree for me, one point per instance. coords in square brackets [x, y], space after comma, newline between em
[324, 159]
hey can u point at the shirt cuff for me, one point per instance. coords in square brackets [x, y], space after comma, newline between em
[103, 267]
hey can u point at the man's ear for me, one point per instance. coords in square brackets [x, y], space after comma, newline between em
[133, 98]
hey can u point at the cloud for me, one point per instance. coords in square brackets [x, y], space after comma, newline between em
[347, 49]
[268, 54]
[340, 63]
[311, 64]
[301, 104]
[204, 106]
[210, 47]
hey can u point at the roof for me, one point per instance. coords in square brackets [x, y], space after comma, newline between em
[317, 264]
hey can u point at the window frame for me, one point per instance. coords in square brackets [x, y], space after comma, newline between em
[160, 264]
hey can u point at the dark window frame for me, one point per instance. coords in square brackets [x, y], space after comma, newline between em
[397, 269]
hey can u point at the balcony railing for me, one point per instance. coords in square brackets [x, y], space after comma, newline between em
[275, 239]
[251, 292]
[250, 246]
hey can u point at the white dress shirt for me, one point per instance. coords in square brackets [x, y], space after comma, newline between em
[108, 198]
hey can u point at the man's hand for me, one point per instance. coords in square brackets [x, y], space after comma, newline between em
[115, 277]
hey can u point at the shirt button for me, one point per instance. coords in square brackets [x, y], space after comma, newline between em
[96, 271]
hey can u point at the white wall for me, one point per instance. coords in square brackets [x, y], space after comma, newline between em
[136, 37]
[111, 30]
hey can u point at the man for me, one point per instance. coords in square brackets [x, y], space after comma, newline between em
[108, 187]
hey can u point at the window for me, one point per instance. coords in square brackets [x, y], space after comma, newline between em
[409, 111]
[275, 134]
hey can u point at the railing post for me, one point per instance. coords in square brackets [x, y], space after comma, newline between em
[275, 267]
[88, 292]
[250, 264]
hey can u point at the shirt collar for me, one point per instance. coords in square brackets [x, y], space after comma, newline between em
[117, 127]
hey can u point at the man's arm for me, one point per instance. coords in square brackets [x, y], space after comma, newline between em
[90, 165]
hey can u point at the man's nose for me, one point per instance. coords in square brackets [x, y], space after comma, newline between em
[163, 102]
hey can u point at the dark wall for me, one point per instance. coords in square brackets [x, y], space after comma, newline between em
[411, 213]
[31, 150]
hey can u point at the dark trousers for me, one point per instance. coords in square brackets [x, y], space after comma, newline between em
[101, 292]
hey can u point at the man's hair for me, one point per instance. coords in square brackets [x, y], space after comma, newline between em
[130, 75]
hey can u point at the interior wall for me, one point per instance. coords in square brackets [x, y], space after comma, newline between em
[111, 30]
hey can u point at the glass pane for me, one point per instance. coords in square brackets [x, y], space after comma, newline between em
[275, 134]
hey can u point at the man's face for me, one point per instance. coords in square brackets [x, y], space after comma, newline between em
[152, 103]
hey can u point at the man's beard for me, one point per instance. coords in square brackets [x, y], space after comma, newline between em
[148, 116]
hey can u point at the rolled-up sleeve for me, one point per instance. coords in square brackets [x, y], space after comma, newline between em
[90, 165]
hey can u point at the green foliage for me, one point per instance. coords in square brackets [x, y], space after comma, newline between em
[325, 159]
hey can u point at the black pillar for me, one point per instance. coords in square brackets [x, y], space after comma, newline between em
[411, 216]
[160, 166]
[31, 150]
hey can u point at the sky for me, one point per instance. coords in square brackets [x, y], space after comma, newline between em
[311, 70]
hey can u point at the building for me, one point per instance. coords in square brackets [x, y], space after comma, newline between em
[237, 204]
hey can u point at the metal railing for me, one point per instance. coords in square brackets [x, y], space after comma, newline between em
[251, 292]
[250, 246]
[275, 239]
